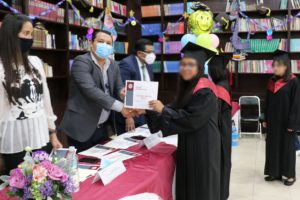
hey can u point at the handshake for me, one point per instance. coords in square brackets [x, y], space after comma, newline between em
[128, 112]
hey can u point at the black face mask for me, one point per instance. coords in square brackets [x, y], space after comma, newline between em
[25, 44]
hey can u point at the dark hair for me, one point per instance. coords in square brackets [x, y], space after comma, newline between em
[10, 51]
[288, 72]
[218, 73]
[95, 33]
[141, 43]
[185, 88]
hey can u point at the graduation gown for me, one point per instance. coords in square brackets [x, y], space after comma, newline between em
[282, 113]
[199, 144]
[225, 127]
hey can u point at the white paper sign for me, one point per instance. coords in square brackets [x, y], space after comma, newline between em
[109, 173]
[139, 93]
[152, 140]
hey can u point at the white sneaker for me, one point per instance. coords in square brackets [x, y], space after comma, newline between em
[298, 153]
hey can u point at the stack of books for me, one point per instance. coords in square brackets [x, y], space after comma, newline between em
[73, 18]
[295, 24]
[121, 47]
[151, 29]
[229, 47]
[151, 11]
[295, 66]
[42, 39]
[245, 26]
[231, 66]
[175, 28]
[246, 5]
[157, 47]
[172, 47]
[171, 66]
[37, 6]
[48, 70]
[255, 66]
[174, 9]
[283, 4]
[17, 4]
[295, 4]
[156, 67]
[78, 42]
[283, 45]
[295, 44]
[118, 8]
[96, 3]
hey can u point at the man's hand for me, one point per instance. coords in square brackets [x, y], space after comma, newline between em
[130, 126]
[55, 142]
[122, 94]
[127, 112]
[139, 112]
[156, 105]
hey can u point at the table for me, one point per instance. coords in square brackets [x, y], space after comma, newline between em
[151, 172]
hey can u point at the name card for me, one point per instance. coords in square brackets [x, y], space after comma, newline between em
[109, 173]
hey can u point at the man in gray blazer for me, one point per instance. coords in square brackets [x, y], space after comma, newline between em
[95, 81]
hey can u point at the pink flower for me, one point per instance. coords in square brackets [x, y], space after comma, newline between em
[39, 173]
[55, 173]
[17, 179]
[46, 164]
[64, 178]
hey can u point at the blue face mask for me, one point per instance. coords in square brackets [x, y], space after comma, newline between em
[103, 50]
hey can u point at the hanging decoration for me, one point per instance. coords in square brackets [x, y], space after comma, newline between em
[9, 7]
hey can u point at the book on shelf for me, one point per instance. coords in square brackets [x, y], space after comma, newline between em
[172, 47]
[118, 8]
[189, 7]
[295, 4]
[175, 28]
[121, 47]
[255, 66]
[42, 38]
[174, 9]
[37, 6]
[96, 3]
[48, 70]
[156, 67]
[283, 4]
[295, 64]
[151, 11]
[295, 45]
[245, 26]
[151, 29]
[171, 66]
[157, 47]
[295, 24]
[78, 42]
[251, 5]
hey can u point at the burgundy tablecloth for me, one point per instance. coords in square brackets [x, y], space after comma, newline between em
[151, 172]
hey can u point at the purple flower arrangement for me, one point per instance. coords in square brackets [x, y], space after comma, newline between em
[38, 178]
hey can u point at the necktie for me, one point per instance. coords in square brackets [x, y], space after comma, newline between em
[144, 72]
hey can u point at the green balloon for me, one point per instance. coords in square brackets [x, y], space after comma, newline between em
[205, 40]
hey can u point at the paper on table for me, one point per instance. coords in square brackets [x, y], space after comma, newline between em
[120, 143]
[143, 196]
[110, 173]
[86, 171]
[139, 93]
[120, 156]
[96, 151]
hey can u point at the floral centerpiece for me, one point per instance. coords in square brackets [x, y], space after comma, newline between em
[39, 178]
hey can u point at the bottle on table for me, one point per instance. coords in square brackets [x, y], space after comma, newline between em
[72, 167]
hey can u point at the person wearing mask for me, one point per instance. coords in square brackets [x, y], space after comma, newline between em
[136, 67]
[219, 73]
[26, 115]
[194, 117]
[282, 120]
[95, 80]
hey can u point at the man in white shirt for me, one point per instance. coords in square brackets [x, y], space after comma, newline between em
[136, 67]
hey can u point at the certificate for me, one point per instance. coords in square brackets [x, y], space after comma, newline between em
[139, 93]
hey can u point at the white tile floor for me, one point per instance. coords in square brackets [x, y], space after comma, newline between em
[247, 182]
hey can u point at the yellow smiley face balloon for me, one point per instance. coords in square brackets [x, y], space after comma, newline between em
[201, 21]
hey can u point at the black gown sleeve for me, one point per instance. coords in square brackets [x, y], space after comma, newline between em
[189, 119]
[294, 115]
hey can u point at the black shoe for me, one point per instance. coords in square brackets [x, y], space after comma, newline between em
[271, 178]
[289, 183]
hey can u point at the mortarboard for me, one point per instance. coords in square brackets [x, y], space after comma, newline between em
[223, 19]
[197, 52]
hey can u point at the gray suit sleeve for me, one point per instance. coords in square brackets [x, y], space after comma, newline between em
[119, 83]
[82, 76]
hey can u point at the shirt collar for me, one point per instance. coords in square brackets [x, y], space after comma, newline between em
[106, 64]
[140, 64]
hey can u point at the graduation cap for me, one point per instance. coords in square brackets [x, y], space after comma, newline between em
[282, 56]
[223, 19]
[197, 52]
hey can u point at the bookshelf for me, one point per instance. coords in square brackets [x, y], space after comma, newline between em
[244, 83]
[60, 56]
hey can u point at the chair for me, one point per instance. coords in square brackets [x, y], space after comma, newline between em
[250, 111]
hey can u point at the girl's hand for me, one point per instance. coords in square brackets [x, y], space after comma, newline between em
[55, 142]
[156, 105]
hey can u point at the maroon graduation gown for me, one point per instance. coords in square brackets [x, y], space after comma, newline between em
[282, 113]
[225, 127]
[198, 157]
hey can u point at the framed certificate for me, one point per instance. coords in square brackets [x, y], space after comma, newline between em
[139, 93]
